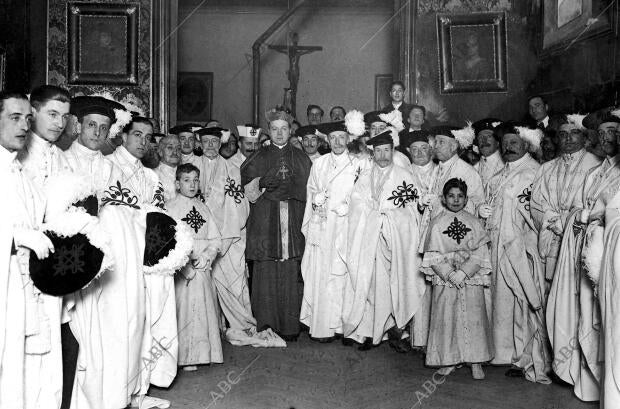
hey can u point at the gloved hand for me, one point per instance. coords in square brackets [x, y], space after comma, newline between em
[555, 226]
[485, 211]
[457, 278]
[269, 181]
[35, 241]
[201, 262]
[427, 199]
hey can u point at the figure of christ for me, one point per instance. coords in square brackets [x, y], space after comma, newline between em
[294, 52]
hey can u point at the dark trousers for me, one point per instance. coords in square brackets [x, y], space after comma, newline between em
[277, 291]
[70, 349]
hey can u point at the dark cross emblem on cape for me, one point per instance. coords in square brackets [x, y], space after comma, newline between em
[233, 190]
[526, 197]
[118, 195]
[457, 230]
[70, 260]
[403, 194]
[194, 219]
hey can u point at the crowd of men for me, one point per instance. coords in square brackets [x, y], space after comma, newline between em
[325, 228]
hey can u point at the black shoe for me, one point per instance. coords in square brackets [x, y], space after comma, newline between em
[347, 342]
[325, 340]
[366, 345]
[290, 338]
[400, 345]
[514, 373]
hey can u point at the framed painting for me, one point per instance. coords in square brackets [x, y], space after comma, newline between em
[382, 90]
[2, 69]
[568, 21]
[472, 52]
[103, 43]
[194, 96]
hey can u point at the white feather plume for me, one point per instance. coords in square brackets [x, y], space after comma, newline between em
[196, 128]
[615, 112]
[395, 137]
[532, 136]
[354, 122]
[394, 119]
[592, 254]
[132, 104]
[465, 136]
[122, 118]
[225, 136]
[576, 119]
[178, 256]
[495, 124]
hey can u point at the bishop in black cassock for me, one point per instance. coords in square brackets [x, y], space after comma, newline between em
[275, 179]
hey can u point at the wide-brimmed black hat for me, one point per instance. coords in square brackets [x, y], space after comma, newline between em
[74, 263]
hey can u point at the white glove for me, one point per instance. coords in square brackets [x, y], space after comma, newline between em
[201, 263]
[341, 210]
[35, 241]
[485, 210]
[555, 226]
[427, 199]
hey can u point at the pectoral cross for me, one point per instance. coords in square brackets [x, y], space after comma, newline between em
[294, 53]
[283, 171]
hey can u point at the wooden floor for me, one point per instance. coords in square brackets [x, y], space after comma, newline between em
[309, 375]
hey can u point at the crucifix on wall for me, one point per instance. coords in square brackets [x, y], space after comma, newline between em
[294, 52]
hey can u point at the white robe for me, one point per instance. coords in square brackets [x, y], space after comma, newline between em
[137, 311]
[423, 178]
[220, 183]
[167, 176]
[518, 280]
[487, 167]
[556, 191]
[609, 297]
[237, 159]
[196, 297]
[573, 309]
[385, 286]
[322, 267]
[41, 161]
[30, 352]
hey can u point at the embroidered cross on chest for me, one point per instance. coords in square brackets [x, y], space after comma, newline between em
[233, 190]
[283, 171]
[194, 219]
[403, 194]
[457, 230]
[69, 260]
[525, 197]
[120, 196]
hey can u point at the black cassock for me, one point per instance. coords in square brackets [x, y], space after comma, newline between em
[277, 286]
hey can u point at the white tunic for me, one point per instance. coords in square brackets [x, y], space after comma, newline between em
[324, 226]
[167, 176]
[489, 166]
[30, 362]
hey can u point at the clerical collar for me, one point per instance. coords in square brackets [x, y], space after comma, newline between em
[38, 142]
[569, 157]
[167, 168]
[450, 161]
[518, 162]
[495, 156]
[126, 156]
[83, 150]
[426, 167]
[545, 121]
[280, 146]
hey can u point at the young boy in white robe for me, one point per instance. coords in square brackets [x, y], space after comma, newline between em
[457, 262]
[197, 309]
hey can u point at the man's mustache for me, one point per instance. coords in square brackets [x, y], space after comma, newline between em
[508, 152]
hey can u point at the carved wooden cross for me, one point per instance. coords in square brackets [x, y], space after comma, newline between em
[294, 52]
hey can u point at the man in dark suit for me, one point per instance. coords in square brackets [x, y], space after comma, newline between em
[397, 94]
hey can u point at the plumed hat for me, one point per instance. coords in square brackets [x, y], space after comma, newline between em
[167, 244]
[192, 127]
[384, 138]
[223, 134]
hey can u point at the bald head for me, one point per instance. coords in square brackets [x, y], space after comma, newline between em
[170, 150]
